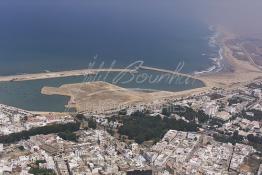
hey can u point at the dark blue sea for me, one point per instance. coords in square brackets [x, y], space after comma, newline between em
[36, 36]
[53, 35]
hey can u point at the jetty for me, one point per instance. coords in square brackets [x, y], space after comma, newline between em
[167, 71]
[47, 75]
[205, 80]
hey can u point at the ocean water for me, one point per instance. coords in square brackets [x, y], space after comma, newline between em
[36, 36]
[27, 94]
[48, 35]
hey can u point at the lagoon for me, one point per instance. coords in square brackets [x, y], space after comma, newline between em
[27, 94]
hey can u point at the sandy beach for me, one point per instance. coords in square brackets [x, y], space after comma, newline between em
[235, 71]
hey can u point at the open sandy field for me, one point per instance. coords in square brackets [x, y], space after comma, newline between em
[100, 97]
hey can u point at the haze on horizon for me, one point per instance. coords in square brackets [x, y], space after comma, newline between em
[40, 32]
[242, 17]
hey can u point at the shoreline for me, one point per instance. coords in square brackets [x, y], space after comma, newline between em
[217, 62]
[234, 71]
[215, 67]
[233, 74]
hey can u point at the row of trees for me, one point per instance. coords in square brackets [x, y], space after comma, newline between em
[234, 138]
[36, 170]
[254, 139]
[41, 171]
[55, 128]
[91, 122]
[256, 117]
[215, 96]
[234, 100]
[68, 135]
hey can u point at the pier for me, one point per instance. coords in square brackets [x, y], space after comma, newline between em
[178, 74]
[47, 75]
[167, 71]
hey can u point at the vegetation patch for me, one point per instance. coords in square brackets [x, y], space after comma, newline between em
[55, 128]
[141, 127]
[68, 135]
